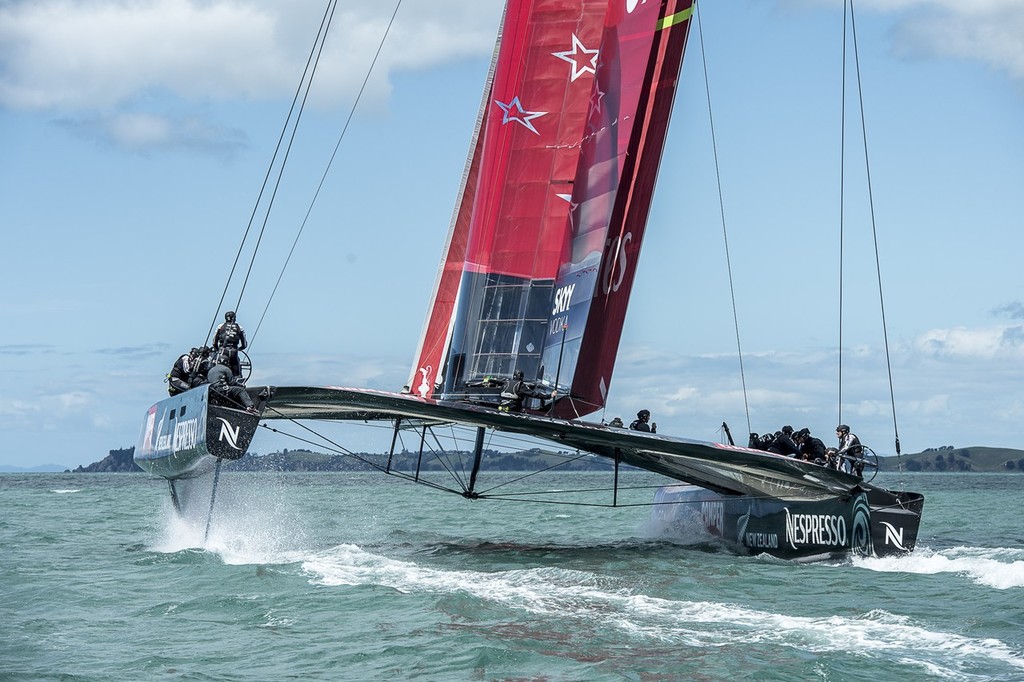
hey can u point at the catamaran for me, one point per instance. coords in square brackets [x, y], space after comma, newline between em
[535, 277]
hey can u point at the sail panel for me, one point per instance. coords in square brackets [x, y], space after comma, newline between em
[517, 236]
[433, 345]
[641, 55]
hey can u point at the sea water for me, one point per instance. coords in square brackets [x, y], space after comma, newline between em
[359, 577]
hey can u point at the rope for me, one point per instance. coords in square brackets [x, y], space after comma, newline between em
[849, 6]
[328, 12]
[287, 155]
[842, 200]
[721, 208]
[874, 234]
[330, 162]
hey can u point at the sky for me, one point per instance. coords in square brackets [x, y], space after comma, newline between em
[135, 136]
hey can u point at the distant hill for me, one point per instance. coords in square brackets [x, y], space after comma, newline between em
[305, 460]
[118, 461]
[976, 458]
[947, 458]
[41, 469]
[121, 461]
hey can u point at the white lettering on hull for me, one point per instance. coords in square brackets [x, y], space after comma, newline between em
[185, 436]
[762, 540]
[815, 529]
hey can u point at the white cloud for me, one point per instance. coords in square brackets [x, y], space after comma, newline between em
[74, 400]
[988, 31]
[69, 55]
[1013, 310]
[1001, 341]
[141, 131]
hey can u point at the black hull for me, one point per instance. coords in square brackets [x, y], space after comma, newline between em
[184, 435]
[870, 521]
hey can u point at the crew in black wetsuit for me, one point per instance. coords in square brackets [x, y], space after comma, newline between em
[851, 452]
[224, 383]
[189, 370]
[783, 443]
[811, 449]
[230, 335]
[180, 378]
[643, 422]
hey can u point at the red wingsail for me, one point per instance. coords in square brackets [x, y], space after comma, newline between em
[574, 117]
[510, 220]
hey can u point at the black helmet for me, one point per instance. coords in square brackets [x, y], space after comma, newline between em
[518, 374]
[229, 316]
[842, 428]
[643, 414]
[787, 429]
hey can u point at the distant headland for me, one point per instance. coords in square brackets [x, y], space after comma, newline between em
[947, 458]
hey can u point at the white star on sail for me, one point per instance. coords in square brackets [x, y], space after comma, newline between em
[578, 49]
[519, 115]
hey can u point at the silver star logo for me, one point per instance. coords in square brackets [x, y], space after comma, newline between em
[513, 111]
[578, 57]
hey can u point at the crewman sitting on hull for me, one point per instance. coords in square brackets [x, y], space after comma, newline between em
[783, 443]
[189, 371]
[225, 384]
[811, 449]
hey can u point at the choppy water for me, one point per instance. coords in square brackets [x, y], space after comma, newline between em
[356, 577]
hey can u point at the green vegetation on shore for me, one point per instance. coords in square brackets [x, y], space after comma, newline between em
[976, 458]
[942, 459]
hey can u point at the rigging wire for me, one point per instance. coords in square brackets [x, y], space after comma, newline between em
[874, 229]
[310, 64]
[721, 207]
[852, 22]
[516, 496]
[512, 496]
[842, 212]
[287, 154]
[330, 162]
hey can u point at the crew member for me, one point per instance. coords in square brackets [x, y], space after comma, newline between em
[851, 452]
[224, 382]
[201, 366]
[811, 449]
[783, 443]
[180, 378]
[230, 335]
[643, 422]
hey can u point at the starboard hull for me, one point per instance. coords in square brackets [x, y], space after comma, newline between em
[184, 435]
[869, 521]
